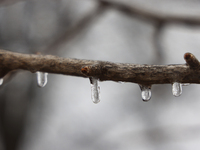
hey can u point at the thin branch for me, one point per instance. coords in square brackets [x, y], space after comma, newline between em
[75, 29]
[141, 74]
[151, 15]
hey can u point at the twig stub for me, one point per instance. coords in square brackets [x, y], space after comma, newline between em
[191, 60]
[92, 70]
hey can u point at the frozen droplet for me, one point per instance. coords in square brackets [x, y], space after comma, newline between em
[1, 81]
[176, 89]
[41, 78]
[146, 92]
[95, 90]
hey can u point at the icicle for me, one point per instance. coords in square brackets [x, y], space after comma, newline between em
[41, 78]
[1, 81]
[146, 92]
[176, 89]
[95, 90]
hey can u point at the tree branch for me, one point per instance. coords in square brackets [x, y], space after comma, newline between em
[151, 15]
[76, 28]
[141, 74]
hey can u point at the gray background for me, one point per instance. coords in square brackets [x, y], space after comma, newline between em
[61, 115]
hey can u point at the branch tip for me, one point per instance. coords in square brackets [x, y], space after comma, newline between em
[191, 60]
[187, 56]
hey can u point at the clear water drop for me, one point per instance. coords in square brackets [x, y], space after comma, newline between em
[95, 90]
[41, 78]
[176, 89]
[1, 81]
[146, 92]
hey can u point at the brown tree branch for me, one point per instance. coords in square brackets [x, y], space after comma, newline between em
[141, 74]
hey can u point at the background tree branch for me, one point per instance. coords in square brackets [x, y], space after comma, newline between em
[150, 15]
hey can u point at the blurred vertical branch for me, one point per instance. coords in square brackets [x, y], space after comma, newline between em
[76, 29]
[157, 41]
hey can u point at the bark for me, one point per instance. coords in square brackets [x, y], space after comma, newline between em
[125, 72]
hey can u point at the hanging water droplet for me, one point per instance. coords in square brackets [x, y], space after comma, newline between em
[95, 90]
[1, 81]
[146, 92]
[176, 89]
[41, 78]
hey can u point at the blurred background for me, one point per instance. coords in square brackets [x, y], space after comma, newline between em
[62, 115]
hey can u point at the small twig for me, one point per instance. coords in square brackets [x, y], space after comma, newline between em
[191, 60]
[141, 74]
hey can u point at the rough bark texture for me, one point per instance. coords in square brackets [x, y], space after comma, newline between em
[142, 74]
